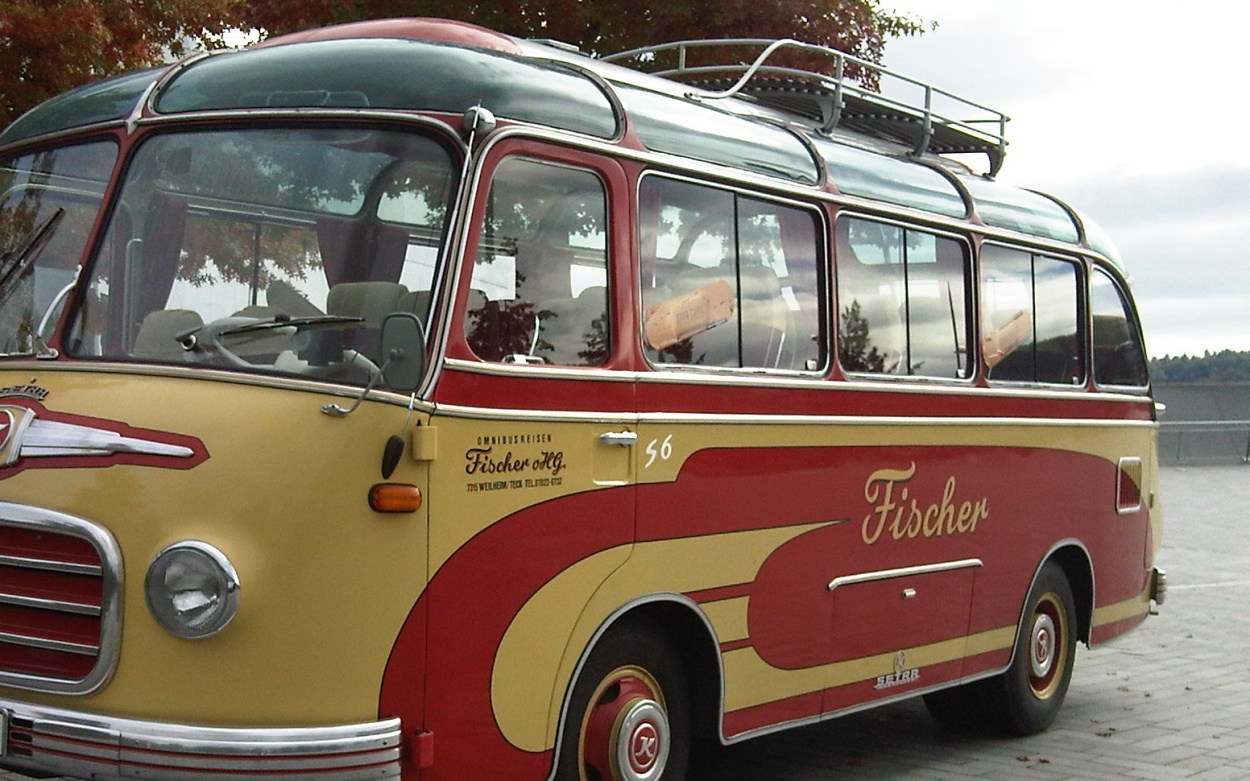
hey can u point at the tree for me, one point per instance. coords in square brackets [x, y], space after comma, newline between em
[1224, 366]
[50, 46]
[858, 27]
[856, 352]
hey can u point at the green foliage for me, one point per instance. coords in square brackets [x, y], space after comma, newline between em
[855, 349]
[859, 27]
[1224, 366]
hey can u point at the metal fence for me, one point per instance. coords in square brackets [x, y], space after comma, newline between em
[1204, 441]
[1204, 423]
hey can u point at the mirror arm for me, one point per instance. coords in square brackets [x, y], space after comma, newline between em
[334, 410]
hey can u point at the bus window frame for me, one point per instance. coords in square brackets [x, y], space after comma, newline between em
[1084, 329]
[972, 350]
[824, 277]
[607, 168]
[1128, 303]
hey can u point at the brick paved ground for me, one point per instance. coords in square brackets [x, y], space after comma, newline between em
[1170, 701]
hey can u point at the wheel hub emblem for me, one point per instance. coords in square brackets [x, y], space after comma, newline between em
[642, 743]
[644, 748]
[1043, 646]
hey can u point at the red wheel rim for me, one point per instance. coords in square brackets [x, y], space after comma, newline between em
[1047, 646]
[624, 732]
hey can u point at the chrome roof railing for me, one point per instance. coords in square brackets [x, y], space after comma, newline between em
[832, 98]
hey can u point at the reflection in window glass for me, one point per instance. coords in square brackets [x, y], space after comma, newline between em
[539, 292]
[1029, 317]
[1004, 206]
[727, 281]
[702, 132]
[274, 250]
[902, 301]
[1119, 356]
[48, 202]
[890, 179]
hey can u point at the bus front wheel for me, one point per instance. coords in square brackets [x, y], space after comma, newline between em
[629, 715]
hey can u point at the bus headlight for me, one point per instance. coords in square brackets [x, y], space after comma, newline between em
[192, 590]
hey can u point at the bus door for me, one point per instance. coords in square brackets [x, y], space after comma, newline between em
[535, 497]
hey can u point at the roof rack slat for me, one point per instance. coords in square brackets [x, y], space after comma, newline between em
[840, 100]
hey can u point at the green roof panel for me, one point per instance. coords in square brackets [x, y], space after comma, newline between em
[390, 73]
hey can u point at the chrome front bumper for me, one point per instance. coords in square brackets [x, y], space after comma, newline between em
[1158, 586]
[35, 739]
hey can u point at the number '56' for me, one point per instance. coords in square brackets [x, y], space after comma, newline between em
[661, 450]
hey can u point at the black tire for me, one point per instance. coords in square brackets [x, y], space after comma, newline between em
[1026, 698]
[631, 694]
[957, 707]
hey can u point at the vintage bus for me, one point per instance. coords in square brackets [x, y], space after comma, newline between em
[406, 400]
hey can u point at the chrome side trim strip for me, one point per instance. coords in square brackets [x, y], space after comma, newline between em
[494, 413]
[277, 382]
[863, 706]
[60, 742]
[903, 572]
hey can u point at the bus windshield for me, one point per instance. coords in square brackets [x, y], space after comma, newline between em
[48, 202]
[276, 250]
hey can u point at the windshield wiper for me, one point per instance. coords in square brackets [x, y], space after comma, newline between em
[17, 262]
[281, 321]
[235, 326]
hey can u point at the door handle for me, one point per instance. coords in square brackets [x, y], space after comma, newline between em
[622, 438]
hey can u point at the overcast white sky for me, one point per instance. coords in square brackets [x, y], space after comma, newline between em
[1133, 113]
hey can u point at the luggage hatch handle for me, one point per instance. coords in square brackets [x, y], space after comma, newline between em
[622, 438]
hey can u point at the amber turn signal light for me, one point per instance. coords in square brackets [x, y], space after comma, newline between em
[395, 498]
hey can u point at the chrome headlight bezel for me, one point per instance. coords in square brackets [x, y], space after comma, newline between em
[217, 581]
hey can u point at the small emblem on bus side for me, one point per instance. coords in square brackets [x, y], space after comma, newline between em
[900, 676]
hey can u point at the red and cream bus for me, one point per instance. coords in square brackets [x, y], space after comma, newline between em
[406, 400]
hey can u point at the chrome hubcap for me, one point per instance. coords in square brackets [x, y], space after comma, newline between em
[642, 742]
[625, 732]
[1042, 654]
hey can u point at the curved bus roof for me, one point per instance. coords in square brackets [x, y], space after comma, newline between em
[804, 127]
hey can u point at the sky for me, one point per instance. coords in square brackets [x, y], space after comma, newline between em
[1128, 111]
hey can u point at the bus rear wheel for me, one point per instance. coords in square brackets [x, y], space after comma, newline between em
[628, 718]
[1027, 697]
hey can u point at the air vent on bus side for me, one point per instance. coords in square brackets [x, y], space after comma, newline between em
[60, 619]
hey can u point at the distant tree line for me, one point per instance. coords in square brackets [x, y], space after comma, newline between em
[1224, 366]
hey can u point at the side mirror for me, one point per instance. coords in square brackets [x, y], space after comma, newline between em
[403, 364]
[403, 351]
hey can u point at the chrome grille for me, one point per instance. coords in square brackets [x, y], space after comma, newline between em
[60, 580]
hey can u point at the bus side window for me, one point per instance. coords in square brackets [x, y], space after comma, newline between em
[902, 301]
[778, 270]
[538, 293]
[1029, 317]
[728, 281]
[1119, 357]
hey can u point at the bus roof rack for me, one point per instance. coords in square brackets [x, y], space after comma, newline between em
[830, 98]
